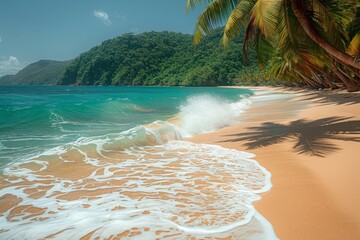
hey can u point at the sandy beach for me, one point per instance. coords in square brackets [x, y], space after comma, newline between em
[310, 144]
[101, 188]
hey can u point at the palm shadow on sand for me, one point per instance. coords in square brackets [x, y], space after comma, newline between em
[311, 137]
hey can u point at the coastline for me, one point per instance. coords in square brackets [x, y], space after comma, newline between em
[312, 197]
[309, 144]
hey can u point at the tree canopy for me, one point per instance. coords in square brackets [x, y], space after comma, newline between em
[157, 58]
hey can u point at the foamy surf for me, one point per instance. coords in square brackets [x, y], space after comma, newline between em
[142, 183]
[206, 113]
[178, 189]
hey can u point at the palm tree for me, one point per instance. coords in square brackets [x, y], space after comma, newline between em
[300, 11]
[304, 40]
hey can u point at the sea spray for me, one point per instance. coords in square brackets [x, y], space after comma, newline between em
[206, 113]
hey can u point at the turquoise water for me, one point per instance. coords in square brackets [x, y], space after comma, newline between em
[114, 163]
[37, 118]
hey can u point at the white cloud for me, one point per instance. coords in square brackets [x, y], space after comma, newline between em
[10, 66]
[103, 16]
[13, 61]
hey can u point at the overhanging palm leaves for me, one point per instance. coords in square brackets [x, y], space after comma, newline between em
[300, 10]
[303, 40]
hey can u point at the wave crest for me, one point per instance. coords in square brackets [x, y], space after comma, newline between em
[206, 113]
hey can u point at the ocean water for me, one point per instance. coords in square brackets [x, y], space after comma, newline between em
[111, 163]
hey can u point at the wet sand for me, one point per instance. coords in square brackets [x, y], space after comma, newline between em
[311, 146]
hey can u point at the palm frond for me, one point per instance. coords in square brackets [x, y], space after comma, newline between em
[265, 15]
[354, 25]
[249, 35]
[191, 4]
[262, 27]
[238, 19]
[286, 24]
[354, 47]
[263, 48]
[331, 18]
[213, 16]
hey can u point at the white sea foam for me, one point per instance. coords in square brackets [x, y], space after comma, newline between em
[206, 113]
[143, 183]
[179, 189]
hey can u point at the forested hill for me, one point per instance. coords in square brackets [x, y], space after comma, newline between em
[43, 72]
[156, 58]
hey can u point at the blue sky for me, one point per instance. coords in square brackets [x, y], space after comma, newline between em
[31, 30]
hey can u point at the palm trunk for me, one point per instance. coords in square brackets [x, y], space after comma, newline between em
[299, 9]
[350, 86]
[327, 78]
[332, 85]
[355, 75]
[309, 81]
[346, 74]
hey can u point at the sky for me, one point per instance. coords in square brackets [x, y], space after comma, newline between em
[31, 30]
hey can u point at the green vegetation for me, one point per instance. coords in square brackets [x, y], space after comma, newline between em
[158, 58]
[43, 72]
[154, 58]
[311, 42]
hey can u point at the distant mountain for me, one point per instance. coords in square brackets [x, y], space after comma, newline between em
[157, 58]
[43, 72]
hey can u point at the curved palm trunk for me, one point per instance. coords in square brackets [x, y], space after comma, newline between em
[350, 86]
[298, 7]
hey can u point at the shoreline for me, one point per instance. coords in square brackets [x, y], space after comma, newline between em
[309, 199]
[312, 156]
